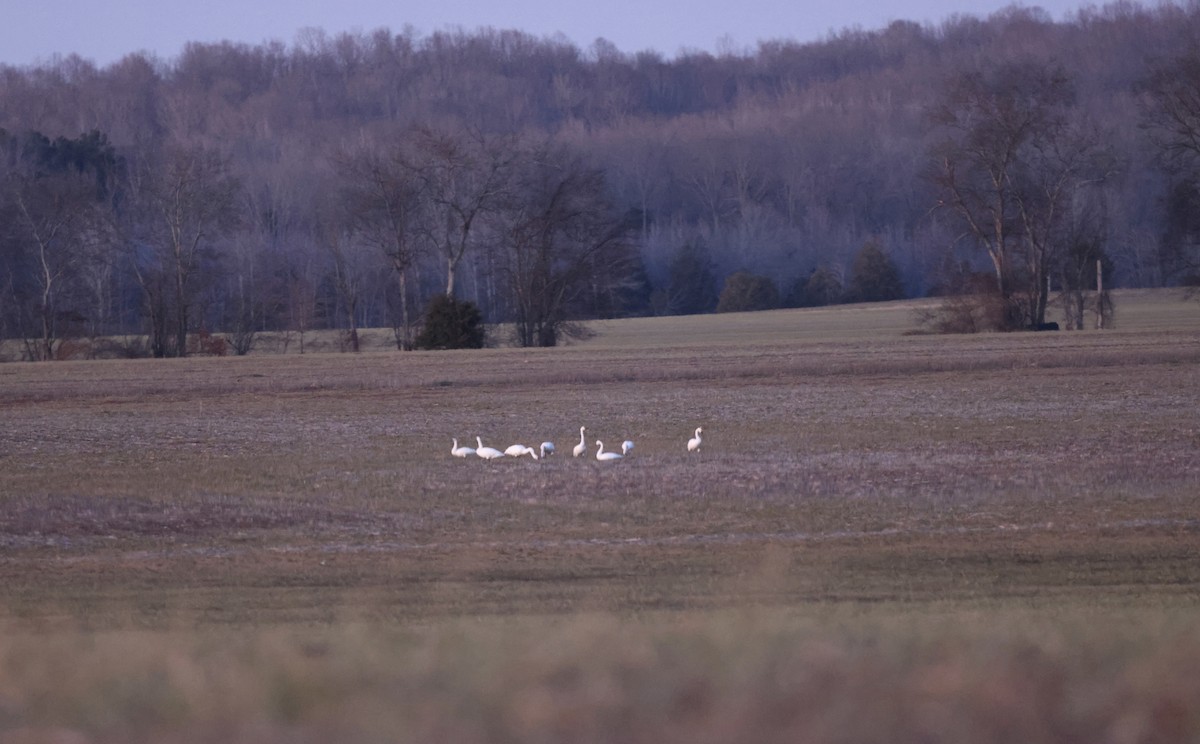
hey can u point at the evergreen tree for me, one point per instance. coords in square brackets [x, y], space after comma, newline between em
[452, 324]
[821, 287]
[874, 277]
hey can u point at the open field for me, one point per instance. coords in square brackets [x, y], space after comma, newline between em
[885, 537]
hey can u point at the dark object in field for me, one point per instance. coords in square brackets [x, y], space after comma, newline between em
[1045, 327]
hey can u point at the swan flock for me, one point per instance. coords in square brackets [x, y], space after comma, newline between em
[546, 449]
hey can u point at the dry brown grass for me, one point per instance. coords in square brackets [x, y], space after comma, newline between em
[717, 677]
[885, 538]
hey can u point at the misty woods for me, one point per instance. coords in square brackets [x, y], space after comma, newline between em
[350, 181]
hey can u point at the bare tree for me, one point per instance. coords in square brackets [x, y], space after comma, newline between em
[50, 217]
[464, 177]
[1082, 266]
[301, 294]
[707, 176]
[1005, 169]
[563, 237]
[381, 198]
[1172, 106]
[353, 264]
[56, 195]
[187, 202]
[260, 256]
[1171, 110]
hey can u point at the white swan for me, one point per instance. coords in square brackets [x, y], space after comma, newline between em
[602, 455]
[487, 453]
[582, 446]
[694, 442]
[519, 449]
[461, 451]
[547, 448]
[626, 446]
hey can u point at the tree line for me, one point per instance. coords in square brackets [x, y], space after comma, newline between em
[384, 179]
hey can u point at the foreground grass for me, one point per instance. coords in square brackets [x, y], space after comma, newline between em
[835, 674]
[885, 538]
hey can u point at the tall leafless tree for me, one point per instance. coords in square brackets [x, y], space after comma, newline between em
[186, 203]
[53, 203]
[1006, 165]
[381, 196]
[1171, 111]
[464, 176]
[563, 237]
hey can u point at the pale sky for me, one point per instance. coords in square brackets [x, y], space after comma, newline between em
[103, 31]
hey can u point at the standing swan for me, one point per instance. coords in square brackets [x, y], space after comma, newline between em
[582, 446]
[694, 442]
[602, 455]
[487, 453]
[547, 449]
[519, 449]
[626, 446]
[461, 451]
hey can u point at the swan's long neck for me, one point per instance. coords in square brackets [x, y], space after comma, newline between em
[581, 439]
[479, 441]
[599, 448]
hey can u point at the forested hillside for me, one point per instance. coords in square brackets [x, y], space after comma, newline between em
[341, 182]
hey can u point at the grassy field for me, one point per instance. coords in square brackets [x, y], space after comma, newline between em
[885, 537]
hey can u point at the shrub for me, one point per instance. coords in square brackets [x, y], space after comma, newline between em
[451, 324]
[746, 292]
[206, 343]
[965, 313]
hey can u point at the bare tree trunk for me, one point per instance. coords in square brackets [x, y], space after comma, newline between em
[181, 312]
[406, 335]
[46, 348]
[1043, 295]
[451, 266]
